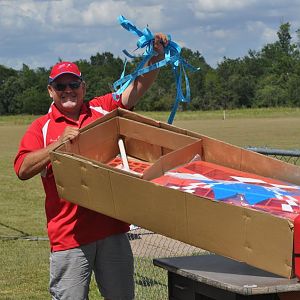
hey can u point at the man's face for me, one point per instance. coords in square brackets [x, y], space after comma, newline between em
[68, 92]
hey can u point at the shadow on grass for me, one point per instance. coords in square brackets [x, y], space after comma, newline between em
[146, 281]
[22, 235]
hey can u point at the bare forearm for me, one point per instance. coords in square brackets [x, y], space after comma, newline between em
[35, 162]
[141, 84]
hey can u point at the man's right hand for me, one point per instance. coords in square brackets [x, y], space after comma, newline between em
[69, 133]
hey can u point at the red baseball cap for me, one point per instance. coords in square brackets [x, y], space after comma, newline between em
[64, 67]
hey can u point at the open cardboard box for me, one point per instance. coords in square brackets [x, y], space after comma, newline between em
[84, 177]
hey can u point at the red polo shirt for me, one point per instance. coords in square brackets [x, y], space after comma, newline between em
[68, 225]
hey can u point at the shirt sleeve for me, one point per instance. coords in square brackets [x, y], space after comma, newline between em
[107, 102]
[31, 141]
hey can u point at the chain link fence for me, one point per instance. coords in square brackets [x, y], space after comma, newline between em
[151, 282]
[289, 156]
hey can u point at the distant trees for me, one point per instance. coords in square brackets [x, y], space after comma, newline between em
[24, 91]
[265, 78]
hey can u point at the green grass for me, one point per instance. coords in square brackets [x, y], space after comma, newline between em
[263, 132]
[228, 114]
[24, 270]
[149, 279]
[17, 119]
[188, 115]
[24, 264]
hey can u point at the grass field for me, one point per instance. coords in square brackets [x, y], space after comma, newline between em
[24, 264]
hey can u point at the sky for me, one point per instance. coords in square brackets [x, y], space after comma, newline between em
[40, 32]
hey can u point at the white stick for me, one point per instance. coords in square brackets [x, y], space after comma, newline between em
[123, 155]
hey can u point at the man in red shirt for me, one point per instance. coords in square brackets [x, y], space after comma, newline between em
[82, 241]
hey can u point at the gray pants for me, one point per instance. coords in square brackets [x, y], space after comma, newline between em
[111, 260]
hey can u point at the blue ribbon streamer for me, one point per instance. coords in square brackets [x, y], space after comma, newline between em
[172, 57]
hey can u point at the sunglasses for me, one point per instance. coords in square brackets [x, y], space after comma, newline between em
[62, 86]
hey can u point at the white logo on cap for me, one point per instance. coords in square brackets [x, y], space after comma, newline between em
[64, 65]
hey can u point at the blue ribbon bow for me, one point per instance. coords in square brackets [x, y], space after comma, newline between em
[172, 57]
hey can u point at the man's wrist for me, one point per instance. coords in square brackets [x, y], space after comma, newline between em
[156, 58]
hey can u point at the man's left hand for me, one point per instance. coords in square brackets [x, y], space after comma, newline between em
[160, 41]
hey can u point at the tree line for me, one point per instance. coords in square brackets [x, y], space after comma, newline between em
[269, 77]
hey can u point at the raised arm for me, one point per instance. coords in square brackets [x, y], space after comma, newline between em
[142, 83]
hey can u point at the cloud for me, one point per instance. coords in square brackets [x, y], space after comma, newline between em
[203, 7]
[265, 33]
[101, 13]
[38, 32]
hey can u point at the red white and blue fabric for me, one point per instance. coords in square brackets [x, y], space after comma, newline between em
[219, 183]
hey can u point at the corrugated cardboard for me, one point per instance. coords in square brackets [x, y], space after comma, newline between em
[82, 177]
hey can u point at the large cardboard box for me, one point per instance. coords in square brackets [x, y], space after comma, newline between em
[83, 177]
